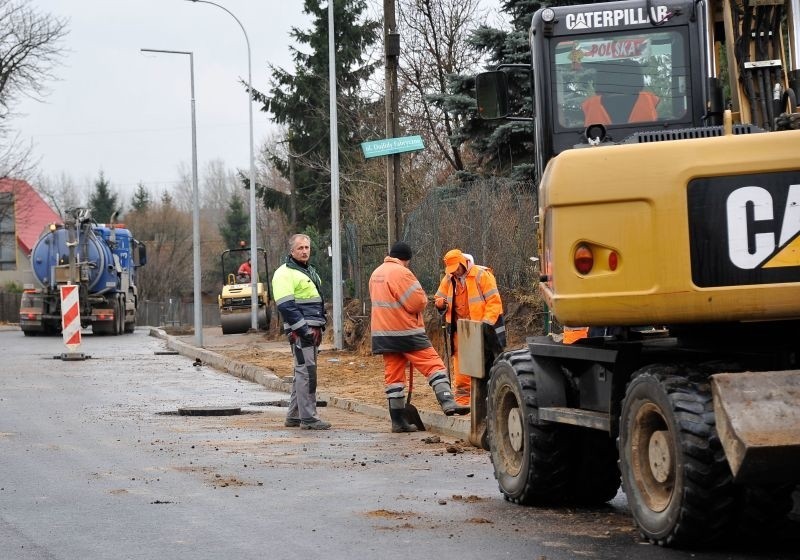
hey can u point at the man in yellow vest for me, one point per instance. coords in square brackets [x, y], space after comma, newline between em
[468, 291]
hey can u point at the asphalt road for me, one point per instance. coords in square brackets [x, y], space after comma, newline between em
[96, 464]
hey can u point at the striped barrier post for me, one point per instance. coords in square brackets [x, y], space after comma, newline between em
[71, 322]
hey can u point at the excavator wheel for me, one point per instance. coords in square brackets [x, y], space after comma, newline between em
[531, 460]
[674, 472]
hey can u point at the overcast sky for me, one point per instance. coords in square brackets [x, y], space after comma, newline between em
[128, 113]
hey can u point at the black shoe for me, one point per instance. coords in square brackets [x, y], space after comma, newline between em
[315, 425]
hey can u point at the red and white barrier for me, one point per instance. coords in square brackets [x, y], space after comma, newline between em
[70, 317]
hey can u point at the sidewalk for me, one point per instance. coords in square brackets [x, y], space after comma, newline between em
[455, 426]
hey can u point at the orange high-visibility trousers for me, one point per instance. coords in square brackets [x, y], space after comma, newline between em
[462, 384]
[427, 361]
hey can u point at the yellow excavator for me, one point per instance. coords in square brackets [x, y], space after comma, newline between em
[667, 142]
[235, 300]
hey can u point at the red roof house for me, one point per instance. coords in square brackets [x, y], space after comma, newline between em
[30, 216]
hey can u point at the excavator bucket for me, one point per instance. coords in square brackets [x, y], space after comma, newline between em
[758, 422]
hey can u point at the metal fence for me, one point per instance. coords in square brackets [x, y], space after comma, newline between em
[174, 313]
[170, 313]
[9, 307]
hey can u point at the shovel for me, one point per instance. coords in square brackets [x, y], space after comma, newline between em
[410, 411]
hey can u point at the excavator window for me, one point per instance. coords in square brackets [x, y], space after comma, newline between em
[619, 79]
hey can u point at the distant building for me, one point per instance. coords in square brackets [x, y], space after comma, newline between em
[24, 215]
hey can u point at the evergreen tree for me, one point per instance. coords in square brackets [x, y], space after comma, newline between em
[236, 227]
[103, 202]
[141, 199]
[300, 102]
[502, 147]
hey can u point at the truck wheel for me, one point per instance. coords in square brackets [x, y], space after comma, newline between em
[117, 316]
[674, 472]
[531, 460]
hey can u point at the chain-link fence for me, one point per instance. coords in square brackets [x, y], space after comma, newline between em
[169, 313]
[491, 219]
[9, 307]
[175, 313]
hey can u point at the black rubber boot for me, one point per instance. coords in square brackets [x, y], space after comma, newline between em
[445, 397]
[397, 414]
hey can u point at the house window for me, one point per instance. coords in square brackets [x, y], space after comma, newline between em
[8, 246]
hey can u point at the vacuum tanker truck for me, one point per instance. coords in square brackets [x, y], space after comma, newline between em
[101, 259]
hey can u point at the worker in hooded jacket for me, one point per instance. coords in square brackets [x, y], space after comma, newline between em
[296, 287]
[398, 333]
[468, 291]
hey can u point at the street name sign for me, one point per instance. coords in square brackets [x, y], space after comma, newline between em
[392, 146]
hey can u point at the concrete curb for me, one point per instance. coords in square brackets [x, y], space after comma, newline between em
[455, 426]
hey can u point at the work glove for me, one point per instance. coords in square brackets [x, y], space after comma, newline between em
[306, 334]
[442, 310]
[317, 335]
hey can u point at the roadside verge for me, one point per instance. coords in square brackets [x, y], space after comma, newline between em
[455, 426]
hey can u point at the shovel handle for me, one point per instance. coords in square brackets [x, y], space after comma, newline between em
[410, 382]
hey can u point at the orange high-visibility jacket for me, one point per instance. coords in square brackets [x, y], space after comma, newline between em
[483, 298]
[643, 110]
[397, 303]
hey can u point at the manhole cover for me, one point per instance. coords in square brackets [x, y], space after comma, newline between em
[283, 403]
[209, 410]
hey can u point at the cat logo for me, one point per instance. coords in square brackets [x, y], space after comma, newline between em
[747, 247]
[617, 18]
[745, 229]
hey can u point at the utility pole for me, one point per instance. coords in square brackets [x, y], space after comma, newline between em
[391, 43]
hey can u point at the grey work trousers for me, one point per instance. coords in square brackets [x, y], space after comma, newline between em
[303, 401]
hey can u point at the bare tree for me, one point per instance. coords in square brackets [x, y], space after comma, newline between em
[60, 193]
[217, 186]
[29, 49]
[434, 34]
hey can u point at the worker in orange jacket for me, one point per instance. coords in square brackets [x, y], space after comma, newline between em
[643, 110]
[468, 291]
[398, 333]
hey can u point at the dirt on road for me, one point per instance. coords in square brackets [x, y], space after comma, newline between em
[355, 373]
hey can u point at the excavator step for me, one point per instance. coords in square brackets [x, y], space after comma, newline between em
[576, 417]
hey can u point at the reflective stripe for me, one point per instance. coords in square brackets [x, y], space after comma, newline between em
[407, 332]
[308, 300]
[477, 299]
[296, 325]
[409, 292]
[438, 378]
[284, 299]
[491, 293]
[387, 304]
[395, 390]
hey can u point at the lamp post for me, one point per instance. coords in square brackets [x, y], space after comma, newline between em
[198, 297]
[253, 232]
[334, 139]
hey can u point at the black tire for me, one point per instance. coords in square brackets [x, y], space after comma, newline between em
[531, 460]
[117, 317]
[674, 472]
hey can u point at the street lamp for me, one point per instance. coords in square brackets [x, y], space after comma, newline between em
[198, 297]
[253, 233]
